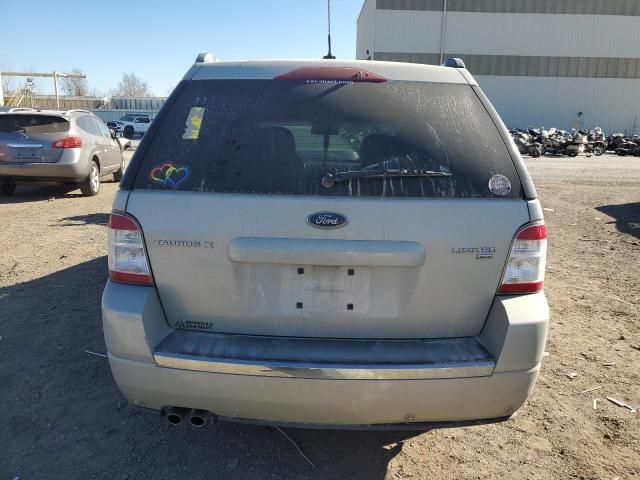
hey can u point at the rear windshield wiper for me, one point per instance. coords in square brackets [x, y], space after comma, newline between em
[331, 178]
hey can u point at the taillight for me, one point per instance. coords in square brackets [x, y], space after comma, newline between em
[527, 261]
[67, 142]
[348, 74]
[127, 256]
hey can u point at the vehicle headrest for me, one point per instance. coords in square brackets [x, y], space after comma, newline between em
[377, 148]
[276, 137]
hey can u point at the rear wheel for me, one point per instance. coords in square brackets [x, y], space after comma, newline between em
[91, 185]
[128, 131]
[535, 152]
[599, 149]
[7, 188]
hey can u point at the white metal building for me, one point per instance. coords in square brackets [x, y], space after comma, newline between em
[559, 63]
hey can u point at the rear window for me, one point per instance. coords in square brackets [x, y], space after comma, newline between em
[284, 136]
[33, 124]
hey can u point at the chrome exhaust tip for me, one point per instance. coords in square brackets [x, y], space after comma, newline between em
[198, 418]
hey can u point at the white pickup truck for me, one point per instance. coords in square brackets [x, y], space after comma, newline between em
[130, 124]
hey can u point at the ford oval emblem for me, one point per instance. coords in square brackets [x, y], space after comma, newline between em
[327, 220]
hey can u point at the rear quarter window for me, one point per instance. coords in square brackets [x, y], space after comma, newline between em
[87, 124]
[282, 137]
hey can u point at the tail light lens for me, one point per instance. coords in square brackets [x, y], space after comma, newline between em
[67, 142]
[527, 261]
[128, 261]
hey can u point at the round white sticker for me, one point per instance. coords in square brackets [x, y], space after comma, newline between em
[499, 185]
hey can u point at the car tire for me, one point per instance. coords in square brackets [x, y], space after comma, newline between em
[128, 131]
[117, 175]
[7, 188]
[91, 186]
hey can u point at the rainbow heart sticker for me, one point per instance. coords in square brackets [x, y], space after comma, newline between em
[169, 175]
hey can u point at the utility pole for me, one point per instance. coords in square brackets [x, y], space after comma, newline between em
[443, 31]
[55, 88]
[53, 75]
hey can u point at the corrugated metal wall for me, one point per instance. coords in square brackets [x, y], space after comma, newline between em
[554, 7]
[530, 66]
[540, 61]
[555, 102]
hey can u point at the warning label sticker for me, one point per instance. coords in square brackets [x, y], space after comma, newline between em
[193, 325]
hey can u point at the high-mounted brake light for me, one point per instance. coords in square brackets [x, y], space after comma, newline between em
[527, 261]
[335, 74]
[67, 142]
[127, 256]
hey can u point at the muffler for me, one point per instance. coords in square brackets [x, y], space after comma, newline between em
[198, 418]
[175, 415]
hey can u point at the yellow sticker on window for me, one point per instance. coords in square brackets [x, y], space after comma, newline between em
[194, 120]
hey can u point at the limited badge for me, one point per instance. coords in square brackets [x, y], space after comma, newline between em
[499, 185]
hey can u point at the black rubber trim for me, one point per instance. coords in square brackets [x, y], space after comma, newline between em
[528, 189]
[131, 171]
[331, 352]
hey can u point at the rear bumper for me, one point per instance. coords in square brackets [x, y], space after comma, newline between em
[69, 168]
[513, 337]
[324, 402]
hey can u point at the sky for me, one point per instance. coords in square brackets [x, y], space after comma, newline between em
[159, 40]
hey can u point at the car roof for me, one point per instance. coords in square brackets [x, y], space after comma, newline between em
[268, 69]
[35, 111]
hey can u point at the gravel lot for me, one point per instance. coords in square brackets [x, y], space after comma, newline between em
[63, 417]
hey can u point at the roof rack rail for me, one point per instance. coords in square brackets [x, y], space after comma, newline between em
[454, 63]
[76, 110]
[21, 109]
[205, 57]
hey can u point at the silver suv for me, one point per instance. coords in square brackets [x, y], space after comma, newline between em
[71, 147]
[327, 243]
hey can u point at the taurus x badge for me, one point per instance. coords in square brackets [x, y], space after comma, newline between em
[327, 220]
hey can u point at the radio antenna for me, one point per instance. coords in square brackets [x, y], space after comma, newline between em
[329, 56]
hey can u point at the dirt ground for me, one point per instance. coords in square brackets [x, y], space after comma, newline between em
[63, 417]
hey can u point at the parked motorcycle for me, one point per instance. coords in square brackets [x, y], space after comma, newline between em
[539, 141]
[555, 142]
[615, 141]
[630, 147]
[596, 142]
[523, 141]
